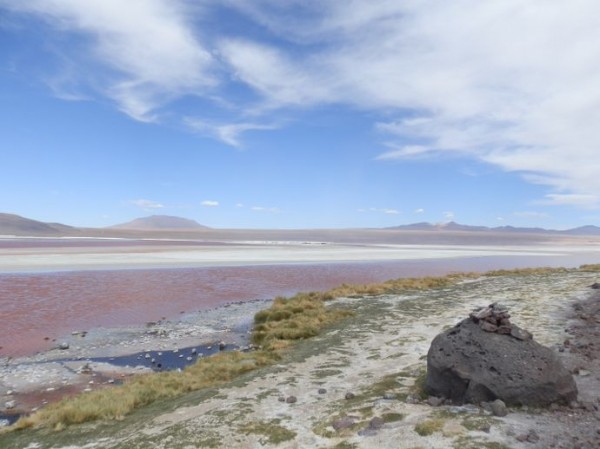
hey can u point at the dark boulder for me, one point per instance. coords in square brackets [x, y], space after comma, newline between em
[468, 363]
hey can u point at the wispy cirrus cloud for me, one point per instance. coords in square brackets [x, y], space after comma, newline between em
[147, 205]
[273, 210]
[438, 78]
[388, 211]
[227, 133]
[147, 51]
[457, 81]
[209, 203]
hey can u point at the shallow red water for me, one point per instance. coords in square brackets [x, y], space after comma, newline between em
[36, 308]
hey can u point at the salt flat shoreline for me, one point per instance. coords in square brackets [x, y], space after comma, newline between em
[80, 258]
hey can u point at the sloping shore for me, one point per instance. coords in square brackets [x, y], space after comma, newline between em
[377, 357]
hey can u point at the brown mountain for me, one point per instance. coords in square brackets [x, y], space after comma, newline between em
[11, 224]
[453, 226]
[160, 222]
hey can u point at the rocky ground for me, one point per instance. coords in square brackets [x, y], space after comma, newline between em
[354, 386]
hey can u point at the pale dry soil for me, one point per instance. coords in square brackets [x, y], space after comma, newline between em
[378, 356]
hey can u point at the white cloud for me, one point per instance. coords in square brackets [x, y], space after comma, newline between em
[388, 211]
[449, 215]
[149, 46]
[273, 210]
[239, 205]
[582, 200]
[227, 133]
[419, 211]
[147, 204]
[404, 152]
[507, 82]
[210, 203]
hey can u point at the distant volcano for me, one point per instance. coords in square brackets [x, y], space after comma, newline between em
[160, 222]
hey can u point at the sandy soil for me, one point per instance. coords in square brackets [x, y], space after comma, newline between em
[378, 356]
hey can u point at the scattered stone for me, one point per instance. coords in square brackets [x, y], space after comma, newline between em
[530, 437]
[520, 334]
[322, 391]
[469, 364]
[488, 327]
[368, 432]
[9, 405]
[412, 399]
[376, 423]
[499, 408]
[343, 423]
[349, 395]
[281, 399]
[291, 399]
[85, 369]
[390, 396]
[222, 346]
[64, 345]
[595, 286]
[10, 393]
[434, 401]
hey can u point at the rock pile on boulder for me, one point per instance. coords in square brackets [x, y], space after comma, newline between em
[485, 357]
[495, 318]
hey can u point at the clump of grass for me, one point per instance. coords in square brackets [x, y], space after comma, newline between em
[289, 319]
[345, 445]
[271, 430]
[418, 389]
[477, 443]
[527, 271]
[429, 426]
[392, 417]
[595, 267]
[399, 285]
[142, 390]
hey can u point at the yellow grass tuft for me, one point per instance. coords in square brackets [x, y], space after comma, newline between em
[142, 390]
[590, 267]
[528, 271]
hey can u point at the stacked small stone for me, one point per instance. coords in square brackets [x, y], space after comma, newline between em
[493, 318]
[496, 319]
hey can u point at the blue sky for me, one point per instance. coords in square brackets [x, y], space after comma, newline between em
[295, 114]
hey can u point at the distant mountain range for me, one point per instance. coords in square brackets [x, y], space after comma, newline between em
[11, 224]
[453, 226]
[158, 222]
